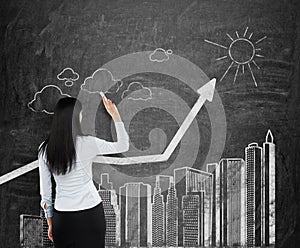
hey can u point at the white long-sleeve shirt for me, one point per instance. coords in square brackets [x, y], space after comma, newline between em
[75, 190]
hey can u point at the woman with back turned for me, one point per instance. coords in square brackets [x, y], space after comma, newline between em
[77, 219]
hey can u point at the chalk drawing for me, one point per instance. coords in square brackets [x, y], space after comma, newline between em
[69, 76]
[38, 96]
[206, 94]
[100, 79]
[160, 55]
[248, 56]
[137, 91]
[69, 83]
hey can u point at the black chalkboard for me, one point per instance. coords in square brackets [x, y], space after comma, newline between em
[51, 49]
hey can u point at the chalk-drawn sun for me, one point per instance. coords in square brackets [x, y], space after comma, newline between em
[242, 51]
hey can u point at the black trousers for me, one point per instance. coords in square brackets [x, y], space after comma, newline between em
[79, 229]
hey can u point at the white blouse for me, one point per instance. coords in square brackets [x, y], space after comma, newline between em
[75, 190]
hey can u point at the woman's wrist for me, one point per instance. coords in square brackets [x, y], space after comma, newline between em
[117, 118]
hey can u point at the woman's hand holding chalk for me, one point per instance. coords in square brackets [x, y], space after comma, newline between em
[111, 108]
[102, 94]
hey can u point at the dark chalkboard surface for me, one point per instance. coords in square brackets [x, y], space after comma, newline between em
[51, 49]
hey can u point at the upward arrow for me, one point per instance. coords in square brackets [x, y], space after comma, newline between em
[206, 93]
[207, 90]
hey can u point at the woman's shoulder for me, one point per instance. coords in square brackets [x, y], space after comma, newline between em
[90, 141]
[85, 137]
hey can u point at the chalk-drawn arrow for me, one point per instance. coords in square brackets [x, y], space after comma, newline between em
[206, 93]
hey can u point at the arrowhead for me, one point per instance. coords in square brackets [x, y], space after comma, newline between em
[207, 90]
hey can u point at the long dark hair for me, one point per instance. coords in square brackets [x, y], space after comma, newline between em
[60, 143]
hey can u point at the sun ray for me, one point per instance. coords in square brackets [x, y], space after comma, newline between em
[236, 73]
[260, 40]
[241, 38]
[253, 61]
[229, 36]
[245, 32]
[226, 71]
[224, 57]
[216, 44]
[252, 74]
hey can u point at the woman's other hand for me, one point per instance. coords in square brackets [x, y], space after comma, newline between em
[111, 109]
[50, 233]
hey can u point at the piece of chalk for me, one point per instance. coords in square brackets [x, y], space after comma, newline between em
[102, 94]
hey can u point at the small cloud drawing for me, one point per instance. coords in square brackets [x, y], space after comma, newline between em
[119, 85]
[136, 91]
[68, 74]
[69, 83]
[101, 80]
[46, 99]
[160, 55]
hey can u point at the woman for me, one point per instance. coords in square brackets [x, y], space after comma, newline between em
[77, 219]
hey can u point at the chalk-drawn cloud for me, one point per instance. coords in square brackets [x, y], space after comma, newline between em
[136, 91]
[119, 85]
[46, 99]
[101, 80]
[68, 75]
[160, 55]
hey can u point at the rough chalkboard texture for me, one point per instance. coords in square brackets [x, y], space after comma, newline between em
[40, 38]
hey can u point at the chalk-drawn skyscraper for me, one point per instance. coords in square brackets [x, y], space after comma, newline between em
[31, 231]
[164, 184]
[253, 156]
[268, 193]
[190, 181]
[233, 204]
[190, 211]
[109, 199]
[136, 221]
[158, 212]
[213, 168]
[228, 204]
[172, 216]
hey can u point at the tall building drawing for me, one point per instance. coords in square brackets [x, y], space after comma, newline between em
[105, 183]
[233, 201]
[136, 214]
[109, 199]
[190, 210]
[190, 181]
[253, 156]
[158, 216]
[229, 203]
[172, 216]
[164, 184]
[213, 168]
[31, 231]
[268, 191]
[122, 207]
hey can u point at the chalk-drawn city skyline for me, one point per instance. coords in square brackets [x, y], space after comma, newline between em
[230, 203]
